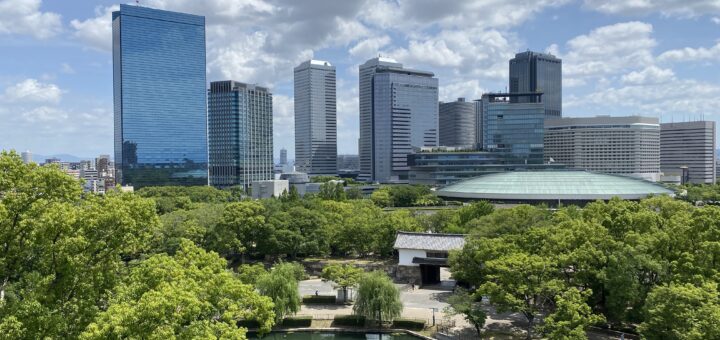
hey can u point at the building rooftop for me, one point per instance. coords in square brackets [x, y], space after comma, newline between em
[427, 241]
[553, 185]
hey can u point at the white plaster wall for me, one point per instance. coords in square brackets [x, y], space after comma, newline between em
[406, 256]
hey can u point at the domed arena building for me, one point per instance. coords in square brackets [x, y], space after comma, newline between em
[552, 187]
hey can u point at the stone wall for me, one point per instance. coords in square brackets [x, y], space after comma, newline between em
[408, 274]
[315, 267]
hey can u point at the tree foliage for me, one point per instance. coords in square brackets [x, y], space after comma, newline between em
[571, 317]
[189, 295]
[463, 303]
[377, 298]
[343, 275]
[682, 311]
[281, 285]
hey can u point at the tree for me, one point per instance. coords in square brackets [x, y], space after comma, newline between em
[474, 210]
[521, 283]
[332, 191]
[239, 229]
[465, 304]
[189, 295]
[377, 298]
[62, 255]
[250, 273]
[281, 285]
[354, 193]
[344, 276]
[381, 198]
[682, 311]
[572, 316]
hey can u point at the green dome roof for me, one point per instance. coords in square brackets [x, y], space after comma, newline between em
[552, 185]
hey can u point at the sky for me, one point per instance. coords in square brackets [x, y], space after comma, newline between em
[657, 58]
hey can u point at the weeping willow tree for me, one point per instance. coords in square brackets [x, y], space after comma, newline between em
[377, 298]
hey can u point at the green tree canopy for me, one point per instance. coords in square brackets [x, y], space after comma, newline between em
[377, 298]
[281, 285]
[188, 295]
[682, 311]
[572, 316]
[463, 303]
[344, 276]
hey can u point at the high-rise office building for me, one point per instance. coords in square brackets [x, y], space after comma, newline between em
[283, 156]
[690, 145]
[102, 164]
[159, 97]
[457, 121]
[478, 124]
[615, 145]
[240, 134]
[26, 157]
[532, 72]
[315, 118]
[513, 126]
[398, 113]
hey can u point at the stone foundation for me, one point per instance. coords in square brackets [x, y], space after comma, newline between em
[408, 274]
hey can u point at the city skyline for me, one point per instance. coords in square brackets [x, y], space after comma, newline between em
[56, 83]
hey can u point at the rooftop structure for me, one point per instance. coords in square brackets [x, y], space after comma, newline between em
[552, 186]
[422, 254]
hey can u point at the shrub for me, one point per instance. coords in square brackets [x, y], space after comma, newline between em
[413, 324]
[297, 321]
[349, 320]
[318, 299]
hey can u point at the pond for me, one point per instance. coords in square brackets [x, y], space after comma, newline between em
[332, 336]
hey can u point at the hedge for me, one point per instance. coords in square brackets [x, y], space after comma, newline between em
[349, 320]
[249, 324]
[413, 324]
[319, 299]
[297, 321]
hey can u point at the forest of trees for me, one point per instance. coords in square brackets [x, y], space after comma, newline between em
[79, 265]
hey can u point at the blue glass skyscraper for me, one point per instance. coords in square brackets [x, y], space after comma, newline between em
[159, 97]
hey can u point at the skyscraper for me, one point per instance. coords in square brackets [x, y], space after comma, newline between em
[398, 113]
[315, 118]
[513, 127]
[691, 145]
[159, 97]
[457, 122]
[532, 72]
[240, 134]
[283, 156]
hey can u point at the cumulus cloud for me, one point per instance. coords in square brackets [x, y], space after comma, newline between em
[650, 75]
[609, 50]
[669, 8]
[45, 114]
[96, 32]
[25, 17]
[33, 91]
[691, 54]
[715, 20]
[370, 47]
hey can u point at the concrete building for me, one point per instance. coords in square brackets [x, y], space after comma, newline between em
[315, 118]
[479, 124]
[283, 156]
[26, 157]
[159, 93]
[269, 188]
[240, 133]
[513, 126]
[102, 165]
[457, 121]
[398, 112]
[532, 72]
[420, 255]
[689, 145]
[613, 145]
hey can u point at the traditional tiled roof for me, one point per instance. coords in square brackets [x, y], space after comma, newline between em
[427, 241]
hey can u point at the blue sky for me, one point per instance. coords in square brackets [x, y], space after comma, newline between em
[657, 58]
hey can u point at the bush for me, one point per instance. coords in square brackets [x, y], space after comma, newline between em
[249, 324]
[318, 299]
[412, 324]
[349, 320]
[297, 321]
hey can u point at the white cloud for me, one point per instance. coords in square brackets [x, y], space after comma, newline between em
[674, 8]
[691, 54]
[609, 50]
[96, 32]
[370, 47]
[715, 20]
[67, 69]
[650, 75]
[25, 17]
[45, 114]
[469, 89]
[31, 90]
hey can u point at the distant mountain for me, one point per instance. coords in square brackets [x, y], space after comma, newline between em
[63, 157]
